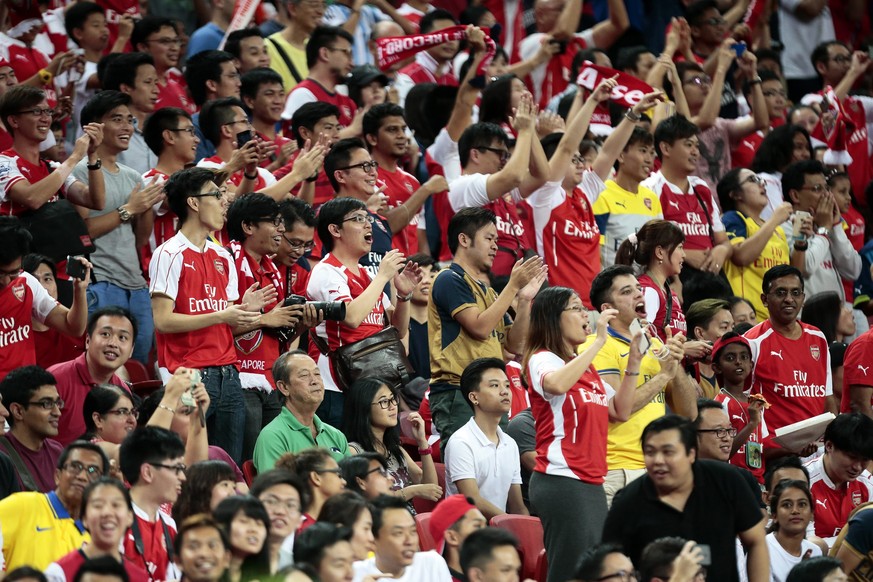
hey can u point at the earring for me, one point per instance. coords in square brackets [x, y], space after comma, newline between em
[660, 261]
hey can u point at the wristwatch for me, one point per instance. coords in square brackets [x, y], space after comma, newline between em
[95, 166]
[124, 214]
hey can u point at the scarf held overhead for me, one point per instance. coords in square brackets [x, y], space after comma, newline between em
[393, 49]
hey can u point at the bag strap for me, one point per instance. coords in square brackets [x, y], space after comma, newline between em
[286, 58]
[705, 213]
[319, 342]
[24, 475]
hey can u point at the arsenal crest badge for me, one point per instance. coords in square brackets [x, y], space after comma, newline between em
[648, 203]
[815, 352]
[219, 265]
[19, 291]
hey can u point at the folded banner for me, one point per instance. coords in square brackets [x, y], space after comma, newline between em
[628, 91]
[243, 14]
[754, 13]
[393, 49]
[834, 128]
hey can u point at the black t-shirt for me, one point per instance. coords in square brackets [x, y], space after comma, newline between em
[720, 506]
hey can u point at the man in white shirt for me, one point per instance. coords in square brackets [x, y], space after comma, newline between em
[397, 554]
[482, 462]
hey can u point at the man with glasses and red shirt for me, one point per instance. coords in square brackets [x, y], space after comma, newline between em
[194, 291]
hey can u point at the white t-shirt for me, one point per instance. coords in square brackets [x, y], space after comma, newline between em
[471, 191]
[529, 47]
[425, 567]
[781, 561]
[471, 455]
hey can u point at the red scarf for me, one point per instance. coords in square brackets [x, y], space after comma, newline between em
[393, 49]
[628, 92]
[836, 134]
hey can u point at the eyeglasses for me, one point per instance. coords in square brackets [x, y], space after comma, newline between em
[720, 432]
[753, 179]
[386, 403]
[714, 21]
[124, 412]
[217, 194]
[346, 51]
[14, 273]
[575, 309]
[699, 80]
[75, 468]
[381, 470]
[177, 469]
[336, 472]
[783, 293]
[366, 166]
[289, 505]
[299, 244]
[775, 92]
[818, 188]
[235, 121]
[625, 575]
[46, 112]
[842, 59]
[502, 153]
[188, 130]
[360, 219]
[234, 75]
[167, 41]
[48, 403]
[277, 221]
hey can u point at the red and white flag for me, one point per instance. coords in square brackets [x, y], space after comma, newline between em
[242, 15]
[393, 49]
[628, 91]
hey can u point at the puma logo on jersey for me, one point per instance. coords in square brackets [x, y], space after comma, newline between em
[822, 502]
[622, 204]
[190, 266]
[863, 368]
[673, 203]
[777, 354]
[738, 417]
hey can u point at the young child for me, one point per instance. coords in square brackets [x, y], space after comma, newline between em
[732, 363]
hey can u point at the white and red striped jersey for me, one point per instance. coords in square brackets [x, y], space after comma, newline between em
[14, 169]
[330, 280]
[265, 178]
[698, 222]
[793, 375]
[199, 282]
[571, 427]
[832, 504]
[21, 301]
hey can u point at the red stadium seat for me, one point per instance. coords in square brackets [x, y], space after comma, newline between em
[422, 524]
[144, 388]
[529, 531]
[136, 371]
[249, 472]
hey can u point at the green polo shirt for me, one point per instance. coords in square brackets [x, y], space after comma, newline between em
[285, 434]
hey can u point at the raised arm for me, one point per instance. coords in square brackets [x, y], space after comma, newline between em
[514, 172]
[569, 144]
[616, 141]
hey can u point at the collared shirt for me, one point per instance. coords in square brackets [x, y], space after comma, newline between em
[40, 464]
[286, 434]
[74, 382]
[495, 467]
[37, 530]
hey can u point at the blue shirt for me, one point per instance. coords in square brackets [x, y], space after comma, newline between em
[205, 38]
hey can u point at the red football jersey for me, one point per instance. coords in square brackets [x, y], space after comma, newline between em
[857, 365]
[793, 375]
[199, 281]
[399, 186]
[750, 455]
[695, 212]
[21, 301]
[832, 504]
[14, 169]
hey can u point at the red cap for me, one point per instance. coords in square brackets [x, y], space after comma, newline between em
[4, 63]
[722, 343]
[445, 515]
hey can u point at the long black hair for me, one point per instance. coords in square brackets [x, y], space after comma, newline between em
[257, 565]
[358, 416]
[100, 399]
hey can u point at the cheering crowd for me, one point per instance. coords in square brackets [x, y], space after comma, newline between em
[430, 291]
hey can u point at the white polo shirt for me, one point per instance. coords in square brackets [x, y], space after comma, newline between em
[471, 455]
[426, 567]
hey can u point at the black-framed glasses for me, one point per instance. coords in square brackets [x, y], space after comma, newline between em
[623, 575]
[124, 412]
[336, 472]
[217, 194]
[189, 130]
[299, 244]
[360, 219]
[48, 403]
[75, 468]
[277, 221]
[720, 432]
[366, 166]
[38, 112]
[381, 470]
[235, 121]
[177, 469]
[753, 179]
[386, 403]
[501, 153]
